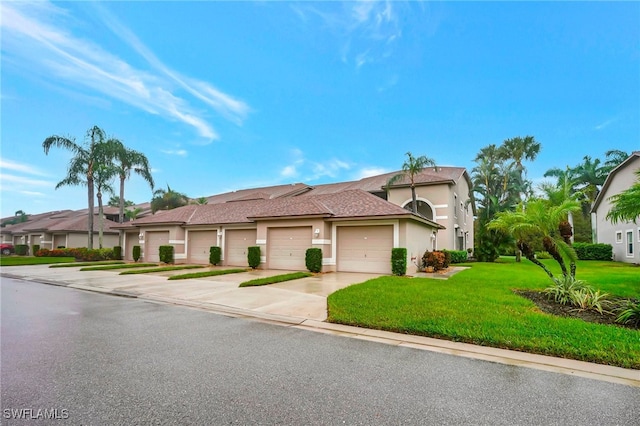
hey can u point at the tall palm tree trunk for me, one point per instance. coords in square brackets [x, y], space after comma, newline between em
[100, 219]
[90, 218]
[414, 206]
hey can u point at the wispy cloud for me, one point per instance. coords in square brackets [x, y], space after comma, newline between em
[370, 171]
[20, 167]
[178, 152]
[45, 45]
[312, 170]
[366, 30]
[605, 124]
[23, 181]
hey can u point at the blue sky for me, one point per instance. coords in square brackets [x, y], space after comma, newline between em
[230, 95]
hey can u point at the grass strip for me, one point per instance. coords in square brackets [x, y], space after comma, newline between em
[276, 279]
[161, 269]
[74, 264]
[121, 266]
[478, 306]
[207, 274]
[29, 260]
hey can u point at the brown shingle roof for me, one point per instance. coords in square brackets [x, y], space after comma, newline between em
[80, 224]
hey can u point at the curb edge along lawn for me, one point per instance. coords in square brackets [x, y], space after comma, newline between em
[478, 306]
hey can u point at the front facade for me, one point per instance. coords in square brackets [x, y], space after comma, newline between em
[355, 224]
[624, 237]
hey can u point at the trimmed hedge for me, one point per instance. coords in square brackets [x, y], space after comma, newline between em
[22, 249]
[166, 254]
[457, 256]
[313, 259]
[399, 261]
[253, 256]
[79, 253]
[35, 248]
[436, 259]
[587, 251]
[117, 253]
[215, 254]
[136, 253]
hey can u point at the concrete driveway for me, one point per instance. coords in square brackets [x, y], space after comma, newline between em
[301, 299]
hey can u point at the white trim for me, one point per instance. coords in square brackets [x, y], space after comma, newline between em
[441, 206]
[629, 243]
[261, 242]
[639, 234]
[424, 200]
[263, 259]
[180, 256]
[619, 240]
[442, 217]
[328, 261]
[320, 242]
[176, 241]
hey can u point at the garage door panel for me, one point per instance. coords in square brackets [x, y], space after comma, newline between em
[153, 241]
[365, 249]
[200, 243]
[237, 242]
[287, 247]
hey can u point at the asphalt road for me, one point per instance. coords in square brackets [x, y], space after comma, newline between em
[97, 359]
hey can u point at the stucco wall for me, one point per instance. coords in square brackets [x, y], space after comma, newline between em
[605, 230]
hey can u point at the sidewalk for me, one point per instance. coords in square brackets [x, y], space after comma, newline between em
[300, 304]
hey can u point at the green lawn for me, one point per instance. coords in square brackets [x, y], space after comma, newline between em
[161, 269]
[275, 279]
[30, 260]
[478, 306]
[206, 274]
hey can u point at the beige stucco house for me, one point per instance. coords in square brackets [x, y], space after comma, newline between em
[623, 236]
[356, 224]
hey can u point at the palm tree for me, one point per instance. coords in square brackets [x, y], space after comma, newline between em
[519, 149]
[539, 222]
[410, 169]
[167, 200]
[127, 161]
[104, 172]
[590, 176]
[200, 201]
[81, 166]
[614, 158]
[626, 205]
[133, 214]
[564, 189]
[114, 201]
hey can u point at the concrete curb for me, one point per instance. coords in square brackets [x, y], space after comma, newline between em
[588, 370]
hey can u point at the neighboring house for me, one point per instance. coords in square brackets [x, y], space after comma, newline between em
[59, 229]
[356, 224]
[623, 236]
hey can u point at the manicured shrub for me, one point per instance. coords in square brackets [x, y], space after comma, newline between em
[136, 253]
[543, 255]
[435, 259]
[22, 249]
[43, 252]
[313, 259]
[399, 261]
[215, 253]
[79, 253]
[457, 256]
[586, 251]
[117, 253]
[166, 254]
[35, 248]
[253, 256]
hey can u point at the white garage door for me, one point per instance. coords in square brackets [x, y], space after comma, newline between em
[287, 247]
[130, 239]
[200, 243]
[152, 243]
[236, 242]
[365, 249]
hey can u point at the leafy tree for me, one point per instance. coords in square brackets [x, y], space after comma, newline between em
[127, 161]
[81, 167]
[614, 157]
[201, 201]
[539, 222]
[519, 149]
[114, 201]
[563, 190]
[590, 176]
[168, 199]
[132, 214]
[626, 205]
[412, 167]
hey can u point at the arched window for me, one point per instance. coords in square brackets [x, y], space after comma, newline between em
[424, 209]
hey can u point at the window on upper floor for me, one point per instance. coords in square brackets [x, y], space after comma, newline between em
[618, 236]
[455, 204]
[629, 243]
